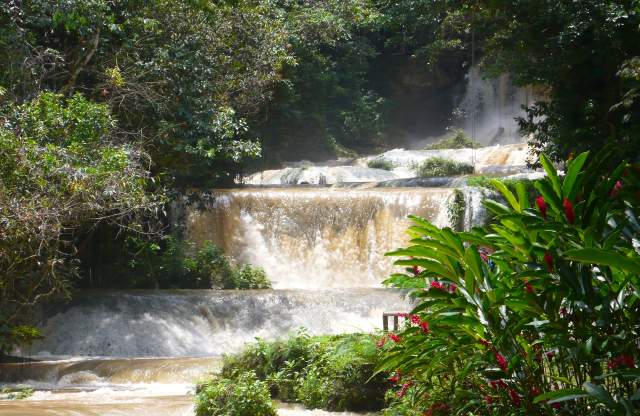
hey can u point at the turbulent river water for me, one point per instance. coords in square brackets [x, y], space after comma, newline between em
[140, 352]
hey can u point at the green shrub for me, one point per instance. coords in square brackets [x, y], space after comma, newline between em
[456, 140]
[178, 263]
[250, 277]
[243, 395]
[209, 263]
[328, 372]
[536, 311]
[380, 163]
[437, 166]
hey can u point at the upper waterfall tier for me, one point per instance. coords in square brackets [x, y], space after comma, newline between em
[316, 237]
[505, 159]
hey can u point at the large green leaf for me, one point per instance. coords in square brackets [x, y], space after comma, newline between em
[508, 195]
[546, 190]
[600, 394]
[572, 174]
[552, 174]
[561, 395]
[606, 257]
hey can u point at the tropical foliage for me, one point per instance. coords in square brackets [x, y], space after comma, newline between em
[536, 313]
[324, 372]
[62, 169]
[244, 396]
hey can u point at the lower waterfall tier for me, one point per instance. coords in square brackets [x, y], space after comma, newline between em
[204, 322]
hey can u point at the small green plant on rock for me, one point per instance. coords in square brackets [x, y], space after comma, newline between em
[8, 393]
[437, 166]
[380, 163]
[250, 277]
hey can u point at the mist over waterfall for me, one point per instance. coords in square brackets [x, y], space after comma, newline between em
[490, 106]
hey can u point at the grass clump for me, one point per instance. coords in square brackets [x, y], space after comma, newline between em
[456, 140]
[244, 395]
[380, 163]
[326, 372]
[8, 393]
[437, 166]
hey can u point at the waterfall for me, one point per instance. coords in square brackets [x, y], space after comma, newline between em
[204, 322]
[315, 238]
[496, 159]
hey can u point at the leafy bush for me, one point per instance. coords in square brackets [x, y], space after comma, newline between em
[332, 373]
[250, 277]
[244, 395]
[538, 313]
[437, 166]
[380, 163]
[180, 264]
[63, 171]
[456, 140]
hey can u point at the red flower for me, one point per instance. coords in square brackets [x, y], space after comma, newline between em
[568, 211]
[563, 312]
[381, 342]
[453, 287]
[395, 378]
[502, 362]
[550, 355]
[416, 270]
[555, 405]
[542, 206]
[535, 391]
[616, 190]
[622, 361]
[498, 384]
[415, 319]
[403, 389]
[488, 399]
[515, 398]
[528, 287]
[437, 285]
[425, 327]
[394, 338]
[549, 260]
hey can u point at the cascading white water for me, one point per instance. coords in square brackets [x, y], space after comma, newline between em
[316, 238]
[204, 322]
[503, 159]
